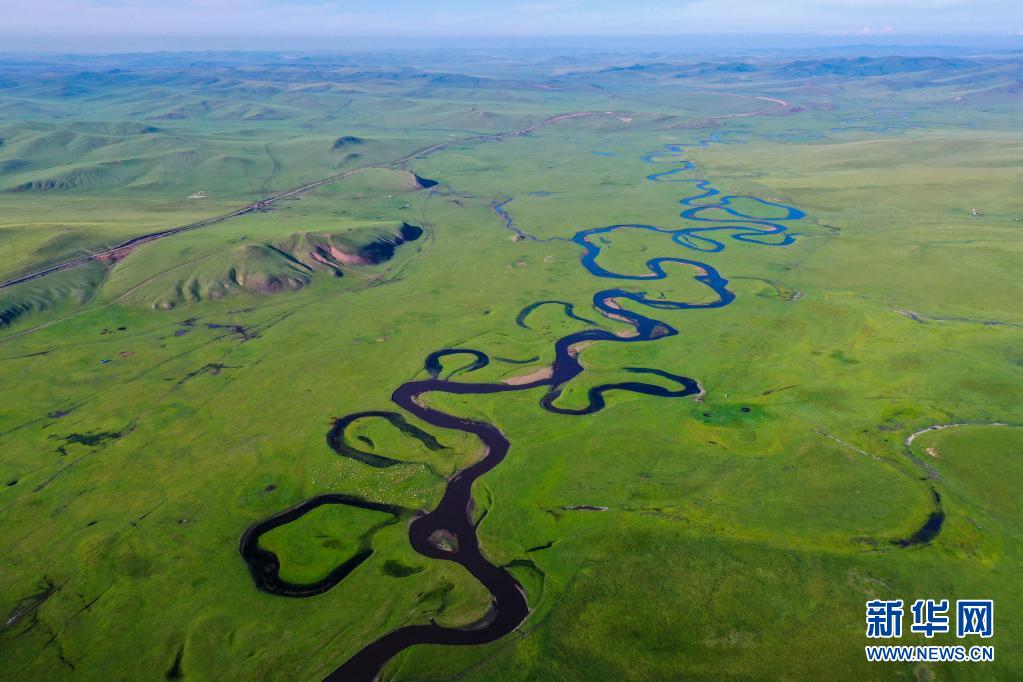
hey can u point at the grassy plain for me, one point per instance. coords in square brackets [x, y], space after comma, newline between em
[743, 533]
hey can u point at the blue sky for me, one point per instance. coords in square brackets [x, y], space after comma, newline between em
[200, 23]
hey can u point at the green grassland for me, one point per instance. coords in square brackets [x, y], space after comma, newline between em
[155, 406]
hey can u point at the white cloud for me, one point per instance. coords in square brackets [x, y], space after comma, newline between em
[871, 31]
[253, 19]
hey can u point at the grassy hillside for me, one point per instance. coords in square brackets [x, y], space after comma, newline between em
[160, 401]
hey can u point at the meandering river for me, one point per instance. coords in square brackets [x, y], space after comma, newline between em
[710, 219]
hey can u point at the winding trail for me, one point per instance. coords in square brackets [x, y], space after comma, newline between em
[939, 427]
[121, 249]
[267, 202]
[448, 533]
[780, 105]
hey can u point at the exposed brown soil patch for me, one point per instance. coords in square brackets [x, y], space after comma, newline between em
[536, 375]
[613, 303]
[577, 348]
[347, 258]
[115, 255]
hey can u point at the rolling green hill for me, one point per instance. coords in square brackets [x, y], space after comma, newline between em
[826, 246]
